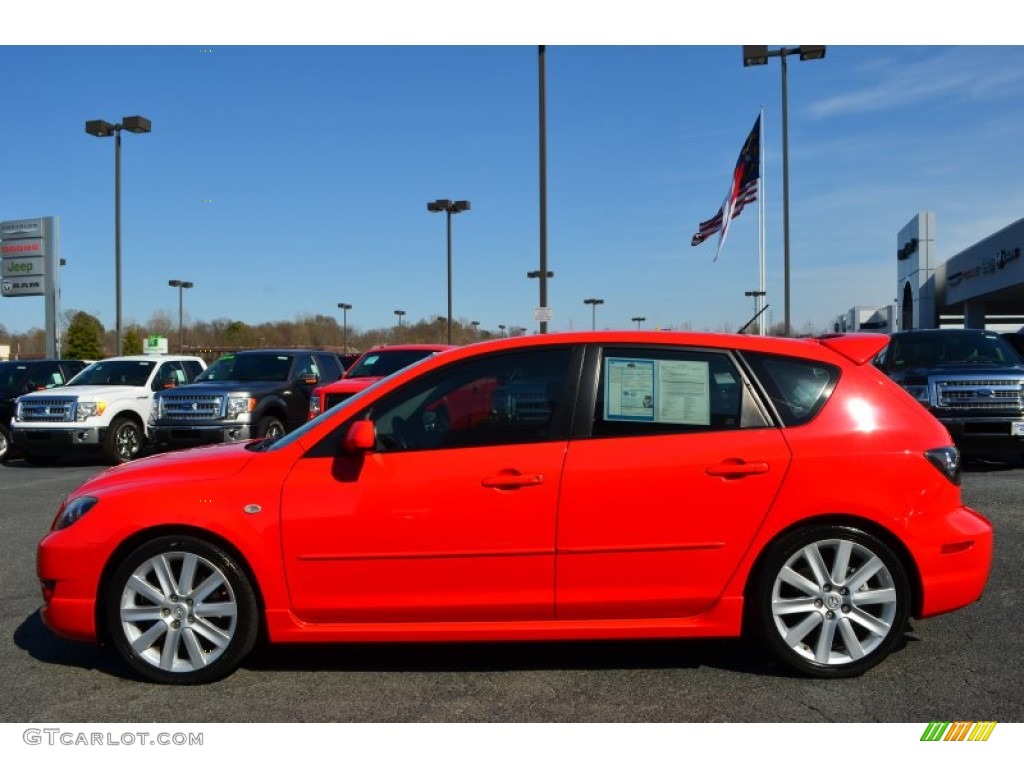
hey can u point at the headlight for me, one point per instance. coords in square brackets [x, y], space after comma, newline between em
[73, 510]
[240, 405]
[87, 409]
[314, 406]
[918, 391]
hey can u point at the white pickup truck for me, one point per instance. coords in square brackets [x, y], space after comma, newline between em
[105, 407]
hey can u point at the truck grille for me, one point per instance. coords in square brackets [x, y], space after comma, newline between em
[48, 410]
[192, 407]
[980, 394]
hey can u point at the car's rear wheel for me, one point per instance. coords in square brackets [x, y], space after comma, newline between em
[123, 441]
[832, 601]
[181, 610]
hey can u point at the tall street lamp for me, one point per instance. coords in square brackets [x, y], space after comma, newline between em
[501, 331]
[593, 311]
[449, 207]
[103, 129]
[181, 285]
[344, 324]
[756, 55]
[638, 320]
[400, 313]
[476, 329]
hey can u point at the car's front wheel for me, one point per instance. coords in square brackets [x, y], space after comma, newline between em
[831, 601]
[181, 610]
[124, 440]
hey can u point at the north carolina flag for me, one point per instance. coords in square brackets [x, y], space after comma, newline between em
[742, 190]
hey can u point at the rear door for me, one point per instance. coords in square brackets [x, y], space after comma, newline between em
[670, 473]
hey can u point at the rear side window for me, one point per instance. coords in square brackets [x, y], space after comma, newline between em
[646, 391]
[798, 388]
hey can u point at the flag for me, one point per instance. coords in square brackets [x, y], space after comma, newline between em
[742, 190]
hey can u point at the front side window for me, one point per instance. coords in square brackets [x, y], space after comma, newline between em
[651, 391]
[499, 399]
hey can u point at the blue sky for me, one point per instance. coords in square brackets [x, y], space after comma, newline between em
[282, 180]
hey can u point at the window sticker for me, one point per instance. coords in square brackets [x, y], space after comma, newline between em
[660, 391]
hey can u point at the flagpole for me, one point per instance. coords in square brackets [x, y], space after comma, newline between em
[762, 322]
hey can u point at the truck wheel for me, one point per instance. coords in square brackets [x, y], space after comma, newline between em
[124, 440]
[269, 426]
[5, 445]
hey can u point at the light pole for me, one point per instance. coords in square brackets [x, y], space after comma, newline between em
[593, 311]
[344, 324]
[501, 331]
[638, 320]
[103, 129]
[181, 285]
[476, 329]
[543, 274]
[449, 207]
[400, 313]
[756, 55]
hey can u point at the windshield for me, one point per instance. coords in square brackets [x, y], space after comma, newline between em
[926, 350]
[297, 434]
[12, 375]
[126, 373]
[248, 368]
[384, 362]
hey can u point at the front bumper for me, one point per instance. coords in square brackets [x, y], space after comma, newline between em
[990, 434]
[57, 440]
[200, 435]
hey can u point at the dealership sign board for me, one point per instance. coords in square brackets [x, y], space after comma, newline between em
[28, 250]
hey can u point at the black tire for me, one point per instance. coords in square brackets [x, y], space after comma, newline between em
[270, 426]
[193, 635]
[5, 445]
[124, 440]
[831, 601]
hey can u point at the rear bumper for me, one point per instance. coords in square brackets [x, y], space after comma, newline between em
[954, 558]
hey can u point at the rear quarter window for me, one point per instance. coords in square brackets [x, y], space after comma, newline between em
[797, 388]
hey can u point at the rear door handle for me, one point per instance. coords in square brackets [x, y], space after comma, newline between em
[738, 469]
[511, 481]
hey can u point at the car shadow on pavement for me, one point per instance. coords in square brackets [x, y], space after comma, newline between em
[733, 655]
[33, 637]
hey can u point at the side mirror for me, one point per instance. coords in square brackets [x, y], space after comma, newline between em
[361, 437]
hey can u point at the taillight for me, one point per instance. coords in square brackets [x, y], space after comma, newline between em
[947, 461]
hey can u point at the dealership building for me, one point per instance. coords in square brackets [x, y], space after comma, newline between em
[979, 287]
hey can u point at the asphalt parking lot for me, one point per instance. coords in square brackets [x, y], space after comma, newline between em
[963, 666]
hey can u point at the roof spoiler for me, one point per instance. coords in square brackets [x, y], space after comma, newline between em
[859, 348]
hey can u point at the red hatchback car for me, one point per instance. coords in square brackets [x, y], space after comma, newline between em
[593, 485]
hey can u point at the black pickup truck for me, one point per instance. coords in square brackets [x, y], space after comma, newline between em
[249, 394]
[19, 377]
[970, 380]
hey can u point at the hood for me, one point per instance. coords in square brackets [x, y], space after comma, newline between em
[350, 385]
[108, 392]
[224, 387]
[195, 464]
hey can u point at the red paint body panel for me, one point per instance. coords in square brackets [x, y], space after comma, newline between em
[619, 537]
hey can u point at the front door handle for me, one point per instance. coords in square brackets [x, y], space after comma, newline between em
[512, 480]
[738, 468]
